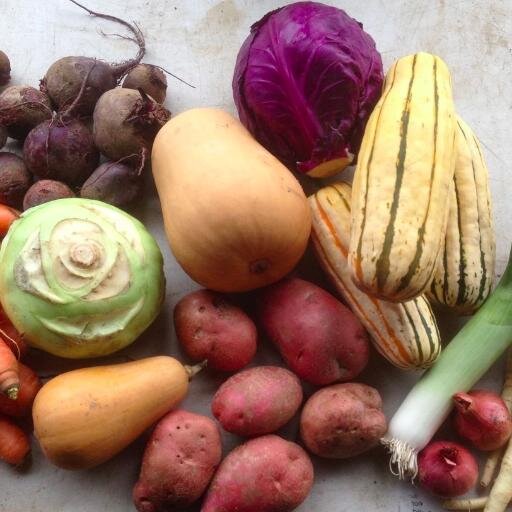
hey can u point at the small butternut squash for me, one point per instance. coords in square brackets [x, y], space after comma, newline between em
[84, 417]
[235, 217]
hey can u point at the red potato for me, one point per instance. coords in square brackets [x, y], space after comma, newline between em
[209, 327]
[257, 401]
[178, 464]
[266, 474]
[320, 339]
[343, 420]
[29, 387]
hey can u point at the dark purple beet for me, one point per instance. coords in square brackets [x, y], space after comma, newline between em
[64, 77]
[151, 79]
[3, 136]
[14, 179]
[43, 191]
[114, 183]
[126, 123]
[22, 108]
[61, 150]
[5, 68]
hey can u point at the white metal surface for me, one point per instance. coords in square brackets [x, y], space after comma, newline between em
[199, 40]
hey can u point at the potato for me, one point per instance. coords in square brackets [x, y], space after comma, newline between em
[210, 327]
[266, 474]
[179, 461]
[257, 401]
[343, 420]
[320, 339]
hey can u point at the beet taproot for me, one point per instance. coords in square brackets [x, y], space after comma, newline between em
[43, 191]
[14, 179]
[151, 79]
[64, 77]
[5, 68]
[126, 122]
[61, 150]
[114, 183]
[22, 108]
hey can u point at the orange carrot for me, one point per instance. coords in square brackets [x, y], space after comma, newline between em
[14, 443]
[11, 336]
[29, 387]
[9, 377]
[7, 217]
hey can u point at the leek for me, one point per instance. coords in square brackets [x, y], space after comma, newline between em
[464, 361]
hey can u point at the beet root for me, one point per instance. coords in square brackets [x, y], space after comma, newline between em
[114, 183]
[126, 123]
[43, 191]
[14, 179]
[5, 68]
[3, 136]
[22, 108]
[151, 79]
[62, 151]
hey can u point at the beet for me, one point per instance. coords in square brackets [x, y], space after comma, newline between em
[43, 191]
[3, 136]
[64, 77]
[5, 68]
[14, 179]
[151, 79]
[126, 123]
[61, 150]
[114, 183]
[22, 108]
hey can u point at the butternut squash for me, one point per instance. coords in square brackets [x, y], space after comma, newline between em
[84, 417]
[402, 182]
[235, 217]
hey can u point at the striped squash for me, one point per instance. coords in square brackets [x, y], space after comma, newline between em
[402, 181]
[465, 271]
[405, 334]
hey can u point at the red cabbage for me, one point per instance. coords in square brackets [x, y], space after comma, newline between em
[306, 80]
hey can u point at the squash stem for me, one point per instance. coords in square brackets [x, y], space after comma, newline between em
[195, 369]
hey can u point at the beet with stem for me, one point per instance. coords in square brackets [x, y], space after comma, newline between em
[114, 183]
[43, 191]
[64, 77]
[14, 179]
[22, 108]
[5, 69]
[151, 79]
[126, 123]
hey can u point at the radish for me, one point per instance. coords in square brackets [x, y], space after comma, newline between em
[22, 108]
[43, 191]
[5, 68]
[64, 77]
[14, 179]
[126, 123]
[447, 469]
[482, 418]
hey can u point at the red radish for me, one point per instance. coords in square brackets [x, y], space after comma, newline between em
[22, 108]
[14, 443]
[482, 417]
[447, 469]
[14, 179]
[64, 78]
[29, 387]
[5, 68]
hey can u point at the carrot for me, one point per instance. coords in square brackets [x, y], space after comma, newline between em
[11, 336]
[495, 456]
[7, 217]
[14, 443]
[29, 387]
[465, 503]
[9, 377]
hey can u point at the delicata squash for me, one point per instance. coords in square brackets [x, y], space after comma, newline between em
[402, 181]
[406, 333]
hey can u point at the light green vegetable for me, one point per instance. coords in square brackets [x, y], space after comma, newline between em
[80, 278]
[469, 355]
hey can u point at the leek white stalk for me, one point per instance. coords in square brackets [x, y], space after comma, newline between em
[469, 355]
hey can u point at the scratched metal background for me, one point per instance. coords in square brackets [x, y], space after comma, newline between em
[199, 40]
